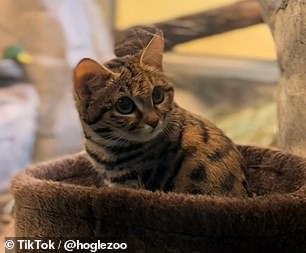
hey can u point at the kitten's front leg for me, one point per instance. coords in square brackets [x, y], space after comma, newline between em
[108, 183]
[123, 178]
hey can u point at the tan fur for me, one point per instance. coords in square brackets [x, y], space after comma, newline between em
[182, 153]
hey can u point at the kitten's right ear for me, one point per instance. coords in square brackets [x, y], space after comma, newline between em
[152, 55]
[86, 74]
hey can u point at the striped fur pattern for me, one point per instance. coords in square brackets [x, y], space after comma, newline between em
[155, 146]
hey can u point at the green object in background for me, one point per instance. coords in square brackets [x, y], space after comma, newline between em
[17, 53]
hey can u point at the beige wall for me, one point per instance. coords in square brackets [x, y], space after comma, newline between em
[253, 42]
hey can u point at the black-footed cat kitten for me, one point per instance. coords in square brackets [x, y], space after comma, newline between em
[139, 137]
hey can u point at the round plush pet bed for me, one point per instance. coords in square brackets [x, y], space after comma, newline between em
[60, 198]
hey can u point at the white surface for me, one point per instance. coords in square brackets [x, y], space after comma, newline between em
[18, 106]
[209, 66]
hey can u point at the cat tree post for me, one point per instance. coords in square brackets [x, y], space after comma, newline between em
[287, 23]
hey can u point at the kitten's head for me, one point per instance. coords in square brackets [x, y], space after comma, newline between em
[128, 97]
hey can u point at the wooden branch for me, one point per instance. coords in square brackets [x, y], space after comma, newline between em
[238, 15]
[190, 27]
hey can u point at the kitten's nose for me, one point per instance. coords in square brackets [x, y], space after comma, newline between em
[152, 120]
[153, 123]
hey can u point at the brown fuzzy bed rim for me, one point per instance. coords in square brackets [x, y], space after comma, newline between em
[60, 198]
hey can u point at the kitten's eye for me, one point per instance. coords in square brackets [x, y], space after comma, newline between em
[125, 105]
[158, 95]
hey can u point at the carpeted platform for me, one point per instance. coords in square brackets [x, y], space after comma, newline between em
[60, 198]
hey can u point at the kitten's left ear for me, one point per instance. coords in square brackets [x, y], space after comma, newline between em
[152, 55]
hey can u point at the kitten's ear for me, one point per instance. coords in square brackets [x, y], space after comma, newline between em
[86, 74]
[152, 55]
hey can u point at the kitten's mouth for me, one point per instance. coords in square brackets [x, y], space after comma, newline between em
[147, 132]
[144, 134]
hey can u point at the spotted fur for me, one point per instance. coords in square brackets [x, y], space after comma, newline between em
[156, 146]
